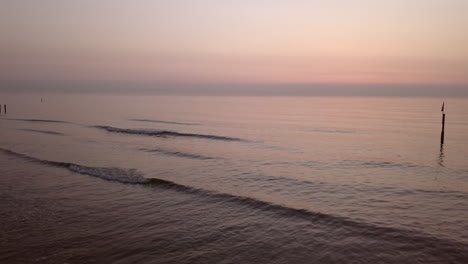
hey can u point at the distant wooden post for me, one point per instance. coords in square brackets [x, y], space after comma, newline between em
[443, 125]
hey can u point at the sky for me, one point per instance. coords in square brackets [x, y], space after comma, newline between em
[289, 42]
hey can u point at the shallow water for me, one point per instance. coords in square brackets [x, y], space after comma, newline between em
[233, 179]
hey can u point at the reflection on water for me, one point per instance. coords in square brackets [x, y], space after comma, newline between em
[441, 156]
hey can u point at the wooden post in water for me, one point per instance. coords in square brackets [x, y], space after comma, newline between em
[443, 125]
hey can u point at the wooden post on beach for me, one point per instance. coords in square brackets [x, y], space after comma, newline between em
[443, 125]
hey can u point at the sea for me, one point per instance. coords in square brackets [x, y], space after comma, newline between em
[116, 178]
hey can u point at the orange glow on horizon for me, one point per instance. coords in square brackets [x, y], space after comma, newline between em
[356, 41]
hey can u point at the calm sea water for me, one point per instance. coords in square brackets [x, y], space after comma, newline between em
[153, 179]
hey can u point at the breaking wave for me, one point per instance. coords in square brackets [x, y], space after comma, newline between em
[164, 133]
[111, 174]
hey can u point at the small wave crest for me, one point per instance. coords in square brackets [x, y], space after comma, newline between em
[331, 131]
[38, 120]
[164, 133]
[375, 164]
[178, 154]
[164, 122]
[345, 164]
[42, 131]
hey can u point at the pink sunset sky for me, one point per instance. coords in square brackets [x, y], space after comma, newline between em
[221, 41]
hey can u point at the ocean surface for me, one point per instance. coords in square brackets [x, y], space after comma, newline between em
[200, 179]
